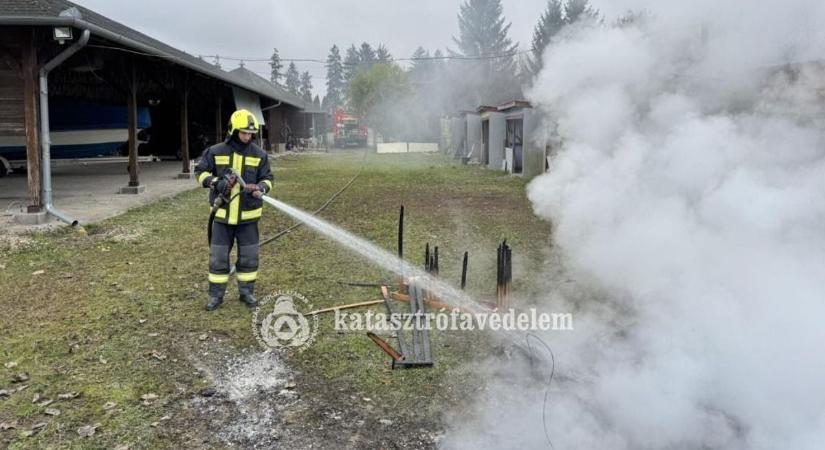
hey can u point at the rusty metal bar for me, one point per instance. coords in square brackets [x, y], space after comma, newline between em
[383, 345]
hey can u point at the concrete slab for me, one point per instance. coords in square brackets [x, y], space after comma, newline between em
[37, 218]
[91, 193]
[133, 189]
[392, 147]
[422, 147]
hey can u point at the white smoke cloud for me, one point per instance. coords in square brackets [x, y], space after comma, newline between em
[689, 195]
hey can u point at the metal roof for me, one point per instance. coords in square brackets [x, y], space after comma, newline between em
[261, 84]
[60, 13]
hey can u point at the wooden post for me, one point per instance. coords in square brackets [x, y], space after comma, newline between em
[218, 122]
[271, 135]
[30, 95]
[184, 127]
[131, 106]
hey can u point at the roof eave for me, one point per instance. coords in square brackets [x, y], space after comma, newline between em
[114, 37]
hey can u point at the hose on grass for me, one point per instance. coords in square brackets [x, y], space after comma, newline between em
[324, 206]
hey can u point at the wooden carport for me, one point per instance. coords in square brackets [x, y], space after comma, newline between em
[117, 65]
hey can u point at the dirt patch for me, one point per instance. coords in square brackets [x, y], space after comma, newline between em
[119, 234]
[10, 243]
[256, 401]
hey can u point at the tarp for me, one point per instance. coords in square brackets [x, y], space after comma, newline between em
[249, 101]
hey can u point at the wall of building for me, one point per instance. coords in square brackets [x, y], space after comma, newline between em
[459, 129]
[12, 122]
[496, 146]
[534, 145]
[473, 147]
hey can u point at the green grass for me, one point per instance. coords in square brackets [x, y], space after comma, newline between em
[77, 327]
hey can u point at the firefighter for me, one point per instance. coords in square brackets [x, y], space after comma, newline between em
[235, 211]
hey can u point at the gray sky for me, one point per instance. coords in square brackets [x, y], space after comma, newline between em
[251, 28]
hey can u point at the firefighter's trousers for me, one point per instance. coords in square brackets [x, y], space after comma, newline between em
[223, 238]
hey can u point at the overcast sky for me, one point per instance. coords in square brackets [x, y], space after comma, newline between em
[250, 29]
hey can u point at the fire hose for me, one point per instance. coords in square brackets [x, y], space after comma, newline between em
[317, 211]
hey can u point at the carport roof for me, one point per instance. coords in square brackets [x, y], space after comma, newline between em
[56, 13]
[257, 83]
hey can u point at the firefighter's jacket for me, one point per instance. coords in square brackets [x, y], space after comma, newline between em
[251, 162]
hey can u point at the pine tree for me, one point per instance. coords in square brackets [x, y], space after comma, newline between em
[306, 87]
[420, 65]
[419, 54]
[550, 23]
[438, 59]
[576, 10]
[316, 102]
[292, 80]
[483, 34]
[631, 18]
[382, 54]
[351, 64]
[366, 54]
[335, 78]
[276, 66]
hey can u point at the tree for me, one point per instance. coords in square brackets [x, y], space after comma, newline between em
[576, 10]
[438, 58]
[292, 80]
[366, 54]
[375, 93]
[306, 87]
[631, 18]
[421, 66]
[483, 34]
[316, 102]
[420, 59]
[351, 63]
[335, 79]
[382, 54]
[429, 98]
[275, 66]
[550, 23]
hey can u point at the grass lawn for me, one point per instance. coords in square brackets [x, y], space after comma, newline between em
[115, 313]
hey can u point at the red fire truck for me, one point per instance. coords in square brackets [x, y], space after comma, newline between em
[348, 129]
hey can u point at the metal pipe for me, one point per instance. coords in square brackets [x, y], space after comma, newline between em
[61, 216]
[45, 139]
[272, 106]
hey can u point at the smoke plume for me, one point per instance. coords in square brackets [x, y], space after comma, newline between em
[687, 203]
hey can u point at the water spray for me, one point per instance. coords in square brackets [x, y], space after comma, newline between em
[382, 257]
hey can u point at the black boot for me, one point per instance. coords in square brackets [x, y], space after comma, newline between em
[216, 293]
[214, 302]
[247, 294]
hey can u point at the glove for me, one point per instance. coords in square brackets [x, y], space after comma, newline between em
[255, 190]
[224, 186]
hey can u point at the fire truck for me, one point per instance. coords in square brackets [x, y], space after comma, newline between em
[348, 129]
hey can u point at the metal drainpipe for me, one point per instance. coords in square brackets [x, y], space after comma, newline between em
[45, 138]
